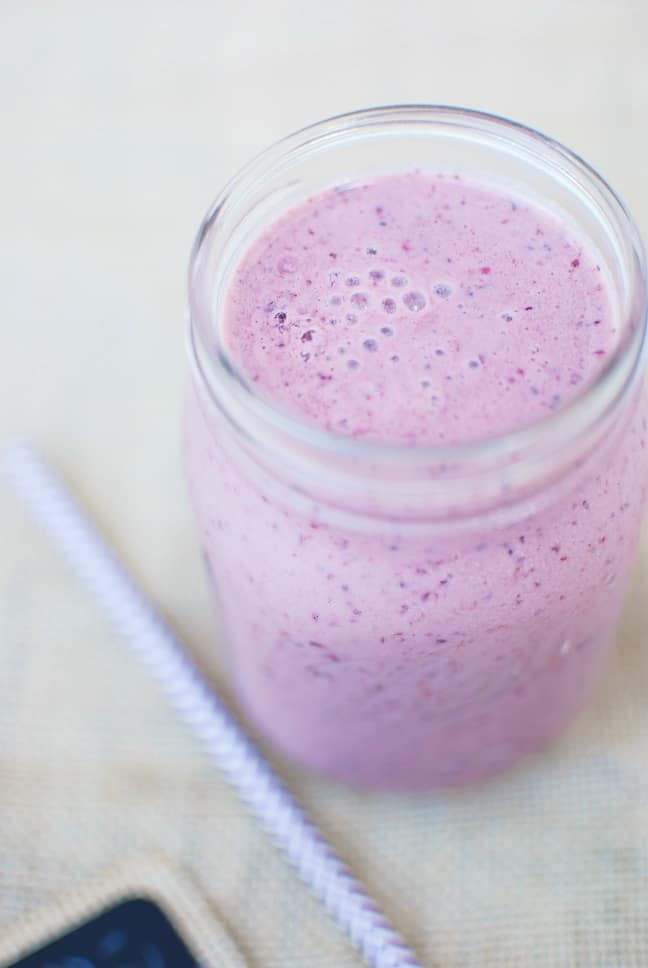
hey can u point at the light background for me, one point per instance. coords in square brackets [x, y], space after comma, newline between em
[118, 124]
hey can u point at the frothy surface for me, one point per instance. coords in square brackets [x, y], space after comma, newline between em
[419, 307]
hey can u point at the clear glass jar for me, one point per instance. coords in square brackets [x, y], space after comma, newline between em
[309, 534]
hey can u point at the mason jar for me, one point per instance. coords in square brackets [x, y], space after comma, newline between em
[413, 616]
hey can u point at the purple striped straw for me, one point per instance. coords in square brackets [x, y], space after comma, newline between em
[259, 787]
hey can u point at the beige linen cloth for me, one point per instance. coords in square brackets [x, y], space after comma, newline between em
[118, 122]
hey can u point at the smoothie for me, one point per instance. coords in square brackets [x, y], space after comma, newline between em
[416, 308]
[419, 308]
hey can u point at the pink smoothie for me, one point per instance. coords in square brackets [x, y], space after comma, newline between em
[416, 308]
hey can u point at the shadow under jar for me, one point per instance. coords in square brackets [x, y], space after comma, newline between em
[415, 439]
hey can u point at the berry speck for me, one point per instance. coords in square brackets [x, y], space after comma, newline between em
[352, 281]
[376, 275]
[387, 331]
[575, 263]
[485, 270]
[371, 345]
[352, 364]
[307, 336]
[360, 300]
[389, 305]
[399, 281]
[371, 251]
[442, 290]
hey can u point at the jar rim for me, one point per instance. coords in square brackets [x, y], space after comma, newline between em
[229, 388]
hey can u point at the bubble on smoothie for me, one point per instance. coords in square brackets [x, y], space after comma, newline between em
[389, 305]
[442, 290]
[286, 265]
[399, 281]
[360, 300]
[414, 300]
[565, 647]
[352, 281]
[371, 345]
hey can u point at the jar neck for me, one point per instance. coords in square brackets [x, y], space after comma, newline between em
[398, 482]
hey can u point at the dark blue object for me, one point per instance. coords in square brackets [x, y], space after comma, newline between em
[132, 934]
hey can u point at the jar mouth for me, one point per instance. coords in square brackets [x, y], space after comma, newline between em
[257, 415]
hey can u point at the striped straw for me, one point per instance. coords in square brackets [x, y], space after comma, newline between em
[155, 645]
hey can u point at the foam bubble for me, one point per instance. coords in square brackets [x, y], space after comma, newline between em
[389, 305]
[415, 301]
[360, 300]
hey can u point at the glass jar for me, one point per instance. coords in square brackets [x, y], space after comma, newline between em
[410, 617]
